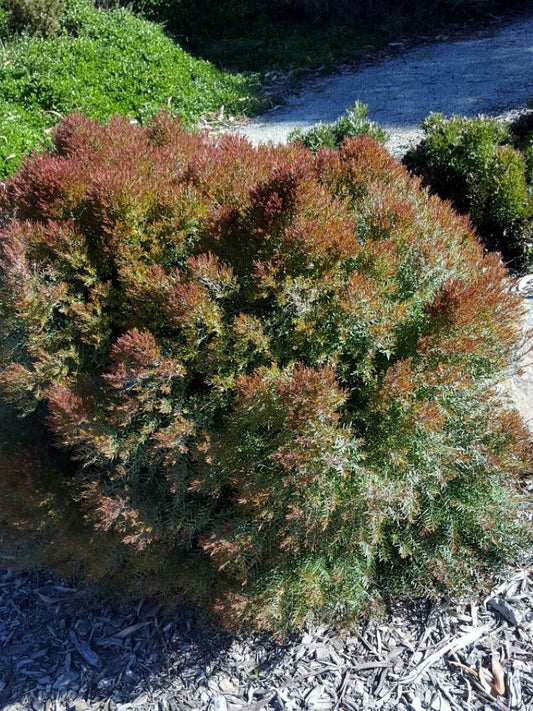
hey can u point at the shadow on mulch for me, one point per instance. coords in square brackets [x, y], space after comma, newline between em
[59, 641]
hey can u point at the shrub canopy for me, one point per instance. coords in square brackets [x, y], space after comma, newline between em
[270, 373]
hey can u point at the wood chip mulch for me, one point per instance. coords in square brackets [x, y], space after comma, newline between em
[64, 648]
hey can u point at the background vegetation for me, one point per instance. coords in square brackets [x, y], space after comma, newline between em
[485, 168]
[59, 56]
[100, 63]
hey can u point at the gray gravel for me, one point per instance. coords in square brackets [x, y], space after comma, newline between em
[486, 75]
[520, 385]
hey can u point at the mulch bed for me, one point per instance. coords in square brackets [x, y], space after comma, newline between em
[63, 648]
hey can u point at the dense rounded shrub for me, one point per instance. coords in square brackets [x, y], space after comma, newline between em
[473, 163]
[267, 375]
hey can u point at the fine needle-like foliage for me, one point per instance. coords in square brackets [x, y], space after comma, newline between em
[354, 122]
[267, 377]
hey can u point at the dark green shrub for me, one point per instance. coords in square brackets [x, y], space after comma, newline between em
[271, 372]
[472, 163]
[331, 135]
[33, 16]
[521, 130]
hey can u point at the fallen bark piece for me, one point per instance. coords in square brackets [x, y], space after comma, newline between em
[498, 683]
[84, 650]
[499, 605]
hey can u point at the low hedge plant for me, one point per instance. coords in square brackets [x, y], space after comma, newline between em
[476, 163]
[354, 122]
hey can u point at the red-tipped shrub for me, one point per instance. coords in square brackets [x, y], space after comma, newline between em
[272, 371]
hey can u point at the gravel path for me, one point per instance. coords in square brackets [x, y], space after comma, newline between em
[63, 648]
[521, 383]
[490, 74]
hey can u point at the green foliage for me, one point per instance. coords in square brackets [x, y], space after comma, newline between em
[103, 63]
[473, 163]
[271, 373]
[331, 135]
[521, 130]
[20, 133]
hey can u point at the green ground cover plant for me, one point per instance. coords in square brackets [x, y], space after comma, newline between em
[474, 163]
[259, 376]
[102, 63]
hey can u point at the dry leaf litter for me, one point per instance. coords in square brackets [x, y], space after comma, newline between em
[65, 648]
